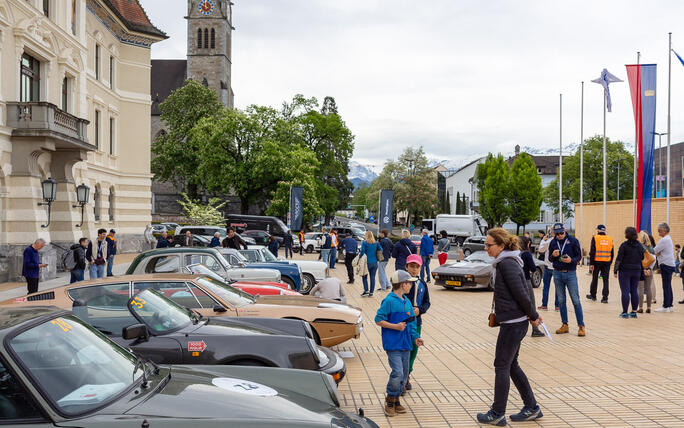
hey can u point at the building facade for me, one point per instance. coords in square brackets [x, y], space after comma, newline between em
[74, 82]
[676, 170]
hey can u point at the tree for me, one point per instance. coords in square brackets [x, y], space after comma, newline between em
[199, 213]
[458, 203]
[525, 189]
[447, 204]
[493, 192]
[175, 157]
[359, 199]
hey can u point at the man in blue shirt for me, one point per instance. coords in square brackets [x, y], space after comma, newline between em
[565, 253]
[399, 334]
[326, 242]
[351, 248]
[31, 265]
[427, 249]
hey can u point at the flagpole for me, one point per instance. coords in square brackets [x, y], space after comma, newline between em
[605, 176]
[560, 164]
[581, 213]
[669, 87]
[634, 173]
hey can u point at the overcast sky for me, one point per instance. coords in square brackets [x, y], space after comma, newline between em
[460, 78]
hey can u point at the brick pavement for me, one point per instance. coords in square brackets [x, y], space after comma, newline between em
[623, 373]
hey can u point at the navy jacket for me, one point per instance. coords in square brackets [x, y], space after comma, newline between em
[30, 267]
[401, 251]
[350, 245]
[570, 246]
[327, 242]
[162, 243]
[629, 257]
[273, 247]
[287, 240]
[215, 242]
[386, 245]
[111, 245]
[528, 263]
[421, 301]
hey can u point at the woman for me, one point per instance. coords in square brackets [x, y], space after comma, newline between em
[443, 247]
[386, 245]
[514, 310]
[370, 249]
[628, 265]
[402, 249]
[216, 240]
[653, 289]
[646, 283]
[273, 245]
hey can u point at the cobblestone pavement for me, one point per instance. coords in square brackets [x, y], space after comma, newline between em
[623, 373]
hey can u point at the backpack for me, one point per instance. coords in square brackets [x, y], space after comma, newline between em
[68, 260]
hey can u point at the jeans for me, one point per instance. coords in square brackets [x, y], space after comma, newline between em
[110, 265]
[548, 274]
[382, 276]
[333, 257]
[77, 275]
[372, 268]
[506, 367]
[602, 268]
[629, 285]
[97, 271]
[399, 363]
[348, 259]
[325, 256]
[288, 249]
[666, 272]
[568, 280]
[414, 351]
[425, 268]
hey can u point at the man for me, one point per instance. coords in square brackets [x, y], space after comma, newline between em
[329, 288]
[186, 241]
[548, 270]
[351, 248]
[333, 248]
[325, 246]
[427, 249]
[163, 241]
[78, 272]
[665, 254]
[232, 240]
[287, 243]
[565, 254]
[301, 242]
[387, 246]
[600, 258]
[96, 255]
[111, 251]
[149, 236]
[32, 265]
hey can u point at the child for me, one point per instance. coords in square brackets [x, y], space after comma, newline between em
[397, 319]
[419, 296]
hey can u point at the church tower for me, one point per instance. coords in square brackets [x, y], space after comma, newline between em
[209, 45]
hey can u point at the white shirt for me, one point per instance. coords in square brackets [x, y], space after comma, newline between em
[329, 288]
[543, 247]
[665, 251]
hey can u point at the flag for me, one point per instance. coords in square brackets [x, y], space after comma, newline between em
[642, 85]
[678, 57]
[605, 80]
[386, 217]
[296, 213]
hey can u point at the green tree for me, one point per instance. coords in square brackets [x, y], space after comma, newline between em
[525, 191]
[175, 157]
[493, 192]
[359, 198]
[458, 203]
[447, 204]
[198, 212]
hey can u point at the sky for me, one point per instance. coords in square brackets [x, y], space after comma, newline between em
[459, 77]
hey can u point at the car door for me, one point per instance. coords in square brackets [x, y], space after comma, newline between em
[160, 264]
[17, 406]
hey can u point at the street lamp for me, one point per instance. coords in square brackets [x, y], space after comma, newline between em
[82, 194]
[49, 187]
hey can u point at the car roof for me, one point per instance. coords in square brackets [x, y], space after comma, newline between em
[141, 277]
[11, 317]
[175, 250]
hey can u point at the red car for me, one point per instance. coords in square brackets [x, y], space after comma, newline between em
[265, 290]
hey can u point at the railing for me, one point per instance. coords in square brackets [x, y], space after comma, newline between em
[37, 118]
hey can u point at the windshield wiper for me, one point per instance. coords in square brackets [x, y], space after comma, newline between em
[139, 362]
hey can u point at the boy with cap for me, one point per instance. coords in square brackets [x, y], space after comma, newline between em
[600, 259]
[565, 253]
[399, 334]
[420, 299]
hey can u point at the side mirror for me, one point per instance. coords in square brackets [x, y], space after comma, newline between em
[219, 309]
[135, 331]
[79, 303]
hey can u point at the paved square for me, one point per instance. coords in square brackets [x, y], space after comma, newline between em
[623, 373]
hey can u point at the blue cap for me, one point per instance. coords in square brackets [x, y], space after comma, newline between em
[601, 227]
[558, 228]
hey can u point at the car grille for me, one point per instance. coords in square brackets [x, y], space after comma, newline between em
[444, 277]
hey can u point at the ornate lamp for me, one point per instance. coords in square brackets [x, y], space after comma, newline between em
[49, 187]
[82, 195]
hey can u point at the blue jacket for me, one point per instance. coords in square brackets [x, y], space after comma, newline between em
[111, 246]
[401, 251]
[350, 245]
[30, 268]
[370, 250]
[327, 242]
[569, 246]
[427, 247]
[528, 263]
[215, 242]
[386, 245]
[273, 247]
[395, 309]
[420, 301]
[163, 243]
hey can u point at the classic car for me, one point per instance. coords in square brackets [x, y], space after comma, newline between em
[209, 231]
[253, 288]
[475, 272]
[331, 322]
[56, 370]
[289, 273]
[312, 271]
[312, 242]
[166, 260]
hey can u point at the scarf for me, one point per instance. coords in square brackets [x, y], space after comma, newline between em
[503, 255]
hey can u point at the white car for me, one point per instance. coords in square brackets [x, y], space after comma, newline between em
[312, 242]
[312, 271]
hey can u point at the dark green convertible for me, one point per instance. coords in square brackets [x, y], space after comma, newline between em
[55, 370]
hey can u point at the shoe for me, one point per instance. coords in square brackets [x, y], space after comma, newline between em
[640, 311]
[604, 300]
[491, 418]
[590, 297]
[648, 311]
[364, 294]
[564, 329]
[670, 309]
[543, 308]
[370, 294]
[624, 315]
[398, 407]
[527, 414]
[681, 302]
[557, 309]
[662, 310]
[537, 333]
[408, 386]
[633, 314]
[350, 282]
[389, 406]
[582, 331]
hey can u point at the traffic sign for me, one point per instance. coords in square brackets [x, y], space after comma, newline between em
[372, 219]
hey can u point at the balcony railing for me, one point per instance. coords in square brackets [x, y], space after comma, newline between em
[46, 119]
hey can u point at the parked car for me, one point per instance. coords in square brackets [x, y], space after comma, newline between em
[253, 288]
[272, 225]
[473, 244]
[290, 274]
[359, 226]
[171, 226]
[166, 260]
[57, 370]
[332, 322]
[159, 228]
[312, 242]
[475, 271]
[260, 237]
[209, 231]
[312, 271]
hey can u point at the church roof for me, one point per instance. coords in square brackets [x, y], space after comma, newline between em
[134, 17]
[167, 75]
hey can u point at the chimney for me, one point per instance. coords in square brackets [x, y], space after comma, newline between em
[517, 149]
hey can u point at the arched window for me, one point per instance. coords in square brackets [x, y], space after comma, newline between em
[206, 38]
[199, 38]
[213, 38]
[111, 203]
[96, 202]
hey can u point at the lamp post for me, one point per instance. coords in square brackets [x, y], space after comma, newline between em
[49, 187]
[82, 195]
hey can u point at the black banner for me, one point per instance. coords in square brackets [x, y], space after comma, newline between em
[386, 211]
[296, 214]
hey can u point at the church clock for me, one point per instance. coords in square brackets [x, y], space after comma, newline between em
[206, 7]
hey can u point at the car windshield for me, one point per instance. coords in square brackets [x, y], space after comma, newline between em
[229, 294]
[200, 269]
[267, 255]
[479, 256]
[160, 314]
[357, 231]
[252, 256]
[78, 368]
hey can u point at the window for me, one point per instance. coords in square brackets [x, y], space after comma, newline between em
[206, 38]
[105, 307]
[73, 17]
[213, 38]
[15, 403]
[199, 38]
[97, 129]
[112, 133]
[206, 260]
[65, 94]
[111, 204]
[96, 202]
[29, 85]
[186, 295]
[163, 264]
[97, 62]
[111, 72]
[46, 8]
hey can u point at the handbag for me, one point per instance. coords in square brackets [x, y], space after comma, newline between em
[648, 259]
[492, 317]
[379, 255]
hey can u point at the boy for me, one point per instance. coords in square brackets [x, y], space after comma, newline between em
[419, 296]
[397, 319]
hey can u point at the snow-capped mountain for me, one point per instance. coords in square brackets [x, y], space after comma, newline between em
[359, 174]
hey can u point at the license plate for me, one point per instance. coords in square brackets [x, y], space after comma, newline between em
[456, 283]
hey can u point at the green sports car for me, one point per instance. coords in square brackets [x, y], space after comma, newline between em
[55, 370]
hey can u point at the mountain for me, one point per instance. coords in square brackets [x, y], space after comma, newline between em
[361, 174]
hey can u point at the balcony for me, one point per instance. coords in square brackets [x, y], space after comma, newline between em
[46, 120]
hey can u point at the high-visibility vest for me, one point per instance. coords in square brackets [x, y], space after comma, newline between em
[333, 240]
[604, 246]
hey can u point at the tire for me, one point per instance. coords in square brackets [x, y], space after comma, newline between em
[290, 283]
[308, 282]
[467, 252]
[537, 277]
[310, 249]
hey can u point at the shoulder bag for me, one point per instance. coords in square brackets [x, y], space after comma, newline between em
[492, 316]
[378, 253]
[648, 259]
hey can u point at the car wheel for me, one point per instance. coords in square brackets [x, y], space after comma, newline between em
[537, 277]
[290, 283]
[467, 252]
[308, 282]
[310, 249]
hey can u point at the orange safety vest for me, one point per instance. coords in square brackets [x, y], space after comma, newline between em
[604, 246]
[333, 240]
[301, 236]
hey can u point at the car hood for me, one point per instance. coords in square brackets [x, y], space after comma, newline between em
[218, 326]
[322, 308]
[239, 274]
[281, 266]
[465, 268]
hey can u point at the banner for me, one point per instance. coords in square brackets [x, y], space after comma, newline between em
[296, 214]
[386, 211]
[642, 85]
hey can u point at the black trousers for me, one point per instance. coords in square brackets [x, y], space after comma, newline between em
[506, 367]
[602, 268]
[32, 285]
[348, 259]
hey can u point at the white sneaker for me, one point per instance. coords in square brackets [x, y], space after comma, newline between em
[670, 309]
[662, 310]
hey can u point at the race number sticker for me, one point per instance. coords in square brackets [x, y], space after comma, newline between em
[244, 387]
[138, 302]
[197, 346]
[62, 324]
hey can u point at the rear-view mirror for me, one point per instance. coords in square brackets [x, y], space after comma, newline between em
[135, 331]
[219, 309]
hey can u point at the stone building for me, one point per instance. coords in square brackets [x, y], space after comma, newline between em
[74, 83]
[209, 62]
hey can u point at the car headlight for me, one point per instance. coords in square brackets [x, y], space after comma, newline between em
[360, 319]
[332, 388]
